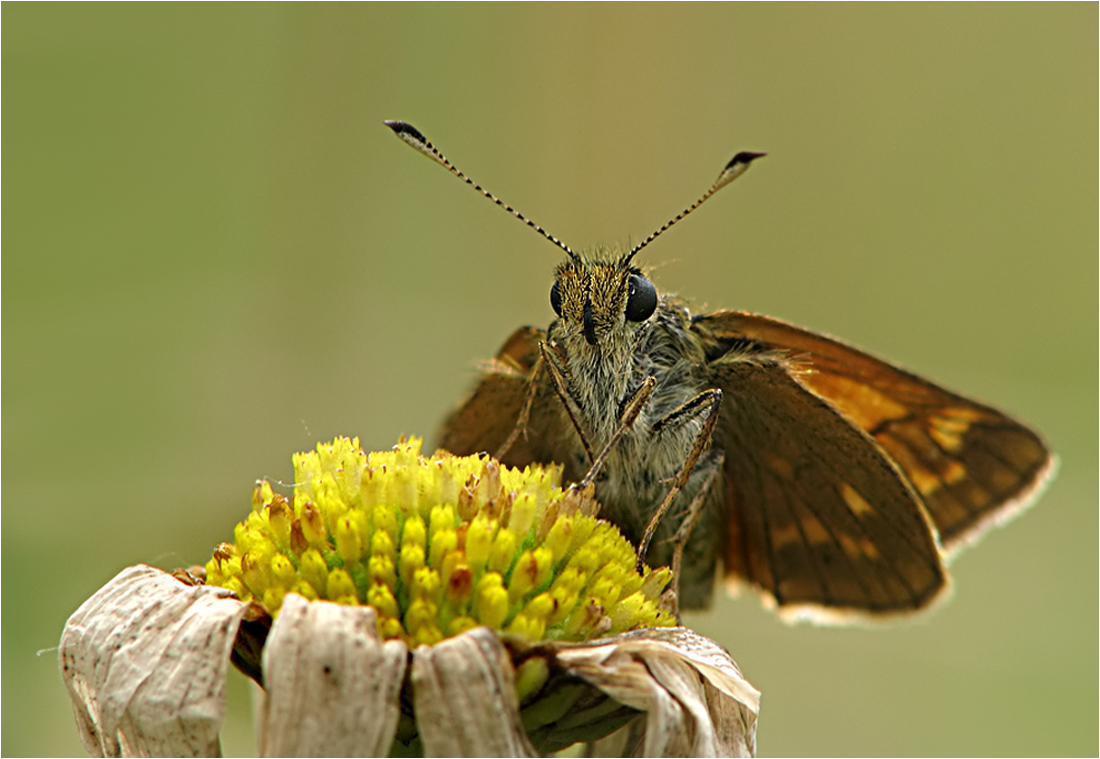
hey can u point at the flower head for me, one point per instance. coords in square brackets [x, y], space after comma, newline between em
[440, 545]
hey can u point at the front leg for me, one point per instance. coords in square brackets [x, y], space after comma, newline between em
[631, 407]
[704, 406]
[559, 376]
[525, 412]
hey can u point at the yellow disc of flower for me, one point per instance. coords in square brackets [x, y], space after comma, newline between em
[439, 545]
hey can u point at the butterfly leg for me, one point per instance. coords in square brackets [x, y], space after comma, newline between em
[705, 406]
[687, 526]
[525, 412]
[631, 408]
[559, 376]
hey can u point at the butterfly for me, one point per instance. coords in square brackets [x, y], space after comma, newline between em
[831, 482]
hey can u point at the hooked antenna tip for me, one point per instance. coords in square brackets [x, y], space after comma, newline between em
[402, 128]
[743, 158]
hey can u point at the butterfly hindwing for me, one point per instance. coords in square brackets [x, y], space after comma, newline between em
[817, 516]
[489, 417]
[971, 464]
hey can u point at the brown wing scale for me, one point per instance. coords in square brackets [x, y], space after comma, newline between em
[972, 465]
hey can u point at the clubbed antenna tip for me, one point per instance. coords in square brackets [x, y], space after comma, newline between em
[415, 138]
[735, 168]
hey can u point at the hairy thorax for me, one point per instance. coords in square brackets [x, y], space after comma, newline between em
[603, 377]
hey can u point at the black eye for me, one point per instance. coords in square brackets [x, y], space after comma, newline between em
[555, 298]
[642, 301]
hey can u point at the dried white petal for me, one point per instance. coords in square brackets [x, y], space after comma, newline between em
[465, 698]
[708, 657]
[695, 699]
[734, 726]
[332, 683]
[145, 661]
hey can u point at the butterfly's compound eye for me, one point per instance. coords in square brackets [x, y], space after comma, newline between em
[555, 298]
[642, 301]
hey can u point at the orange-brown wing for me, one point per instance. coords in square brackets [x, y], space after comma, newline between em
[972, 465]
[818, 517]
[489, 416]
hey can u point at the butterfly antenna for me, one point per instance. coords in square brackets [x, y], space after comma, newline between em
[413, 137]
[735, 168]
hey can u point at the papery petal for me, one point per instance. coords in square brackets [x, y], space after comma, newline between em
[708, 657]
[145, 662]
[695, 699]
[465, 698]
[734, 724]
[332, 683]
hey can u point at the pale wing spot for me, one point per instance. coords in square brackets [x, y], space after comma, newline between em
[815, 532]
[945, 440]
[850, 546]
[948, 433]
[953, 425]
[924, 480]
[860, 548]
[780, 466]
[961, 414]
[953, 472]
[869, 549]
[855, 501]
[864, 405]
[785, 535]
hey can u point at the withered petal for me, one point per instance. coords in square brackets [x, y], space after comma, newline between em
[332, 683]
[696, 701]
[465, 698]
[145, 662]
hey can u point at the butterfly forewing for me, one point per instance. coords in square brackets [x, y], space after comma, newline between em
[971, 464]
[816, 515]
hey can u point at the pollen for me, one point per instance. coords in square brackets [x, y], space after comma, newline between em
[438, 545]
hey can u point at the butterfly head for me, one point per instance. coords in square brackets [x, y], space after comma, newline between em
[596, 301]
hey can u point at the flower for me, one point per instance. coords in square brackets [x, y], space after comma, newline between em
[439, 605]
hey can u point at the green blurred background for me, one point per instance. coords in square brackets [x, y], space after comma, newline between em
[217, 256]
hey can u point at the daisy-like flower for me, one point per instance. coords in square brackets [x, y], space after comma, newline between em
[395, 603]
